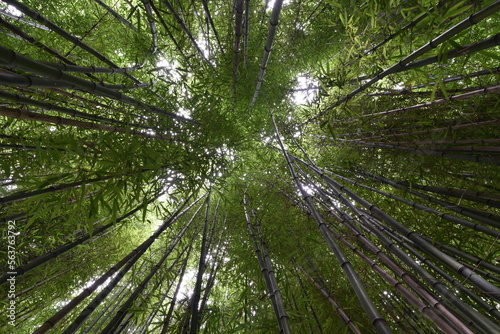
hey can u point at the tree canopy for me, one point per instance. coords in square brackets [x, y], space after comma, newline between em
[286, 166]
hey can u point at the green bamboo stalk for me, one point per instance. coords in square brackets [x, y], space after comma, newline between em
[468, 22]
[377, 320]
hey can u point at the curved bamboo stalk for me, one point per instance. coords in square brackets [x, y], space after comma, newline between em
[377, 320]
[468, 22]
[273, 23]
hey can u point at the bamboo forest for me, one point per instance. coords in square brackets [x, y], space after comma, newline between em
[250, 166]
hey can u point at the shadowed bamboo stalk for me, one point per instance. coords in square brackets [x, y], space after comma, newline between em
[32, 116]
[424, 208]
[476, 196]
[376, 319]
[490, 220]
[479, 321]
[238, 32]
[49, 106]
[421, 132]
[494, 70]
[117, 16]
[273, 23]
[195, 317]
[412, 299]
[247, 32]
[152, 25]
[464, 24]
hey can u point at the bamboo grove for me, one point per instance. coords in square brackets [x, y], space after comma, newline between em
[286, 166]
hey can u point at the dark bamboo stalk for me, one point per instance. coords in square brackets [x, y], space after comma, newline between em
[195, 318]
[152, 25]
[209, 17]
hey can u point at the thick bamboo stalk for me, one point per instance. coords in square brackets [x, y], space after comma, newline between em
[32, 116]
[479, 321]
[398, 67]
[376, 319]
[267, 49]
[152, 25]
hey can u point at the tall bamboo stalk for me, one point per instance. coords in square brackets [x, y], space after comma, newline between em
[376, 319]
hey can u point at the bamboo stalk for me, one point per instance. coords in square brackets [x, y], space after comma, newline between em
[32, 116]
[117, 16]
[273, 23]
[133, 256]
[376, 319]
[464, 24]
[12, 58]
